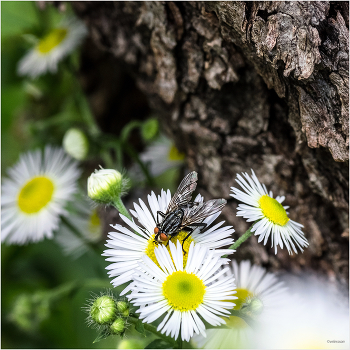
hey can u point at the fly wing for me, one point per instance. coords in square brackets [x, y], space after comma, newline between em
[184, 192]
[198, 213]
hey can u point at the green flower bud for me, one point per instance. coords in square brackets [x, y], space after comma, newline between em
[118, 326]
[123, 308]
[30, 310]
[252, 307]
[106, 185]
[76, 144]
[103, 310]
[149, 129]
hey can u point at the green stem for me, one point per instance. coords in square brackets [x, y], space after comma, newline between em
[128, 128]
[119, 205]
[133, 154]
[241, 239]
[152, 329]
[180, 342]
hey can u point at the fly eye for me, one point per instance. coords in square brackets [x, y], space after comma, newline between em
[163, 237]
[156, 230]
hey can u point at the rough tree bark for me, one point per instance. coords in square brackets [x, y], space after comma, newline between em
[241, 85]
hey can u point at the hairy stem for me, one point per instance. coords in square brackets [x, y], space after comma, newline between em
[119, 205]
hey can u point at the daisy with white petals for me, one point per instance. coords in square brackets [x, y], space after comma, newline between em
[34, 195]
[184, 295]
[269, 215]
[52, 48]
[258, 291]
[84, 220]
[260, 296]
[126, 248]
[162, 155]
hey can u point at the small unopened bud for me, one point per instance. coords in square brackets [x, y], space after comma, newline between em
[252, 307]
[118, 326]
[103, 310]
[106, 185]
[123, 308]
[76, 144]
[149, 129]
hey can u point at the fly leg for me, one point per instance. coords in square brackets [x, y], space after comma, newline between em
[190, 230]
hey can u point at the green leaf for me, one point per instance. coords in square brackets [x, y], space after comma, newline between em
[159, 344]
[102, 335]
[140, 328]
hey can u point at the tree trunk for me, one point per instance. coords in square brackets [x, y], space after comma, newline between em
[249, 85]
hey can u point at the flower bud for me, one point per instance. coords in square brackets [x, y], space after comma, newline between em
[123, 308]
[76, 144]
[103, 310]
[252, 307]
[118, 326]
[105, 185]
[149, 129]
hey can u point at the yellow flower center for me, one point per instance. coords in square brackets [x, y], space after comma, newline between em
[94, 224]
[51, 40]
[184, 291]
[242, 295]
[181, 236]
[175, 154]
[235, 321]
[35, 194]
[273, 210]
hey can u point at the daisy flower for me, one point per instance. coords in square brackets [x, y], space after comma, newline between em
[126, 248]
[255, 283]
[52, 48]
[183, 294]
[260, 296]
[86, 221]
[34, 195]
[269, 215]
[162, 155]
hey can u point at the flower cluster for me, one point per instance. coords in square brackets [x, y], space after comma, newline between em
[184, 280]
[108, 313]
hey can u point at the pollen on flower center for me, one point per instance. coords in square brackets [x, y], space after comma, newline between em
[51, 40]
[183, 291]
[175, 154]
[35, 194]
[181, 236]
[273, 210]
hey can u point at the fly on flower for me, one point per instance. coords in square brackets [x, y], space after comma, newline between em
[184, 215]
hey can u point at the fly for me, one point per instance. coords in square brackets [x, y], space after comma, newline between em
[184, 215]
